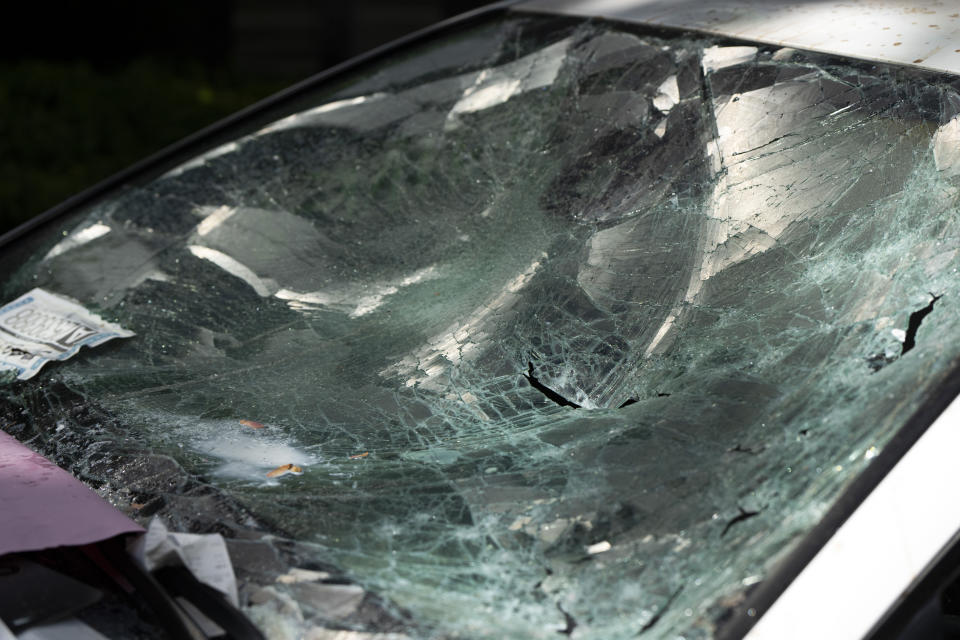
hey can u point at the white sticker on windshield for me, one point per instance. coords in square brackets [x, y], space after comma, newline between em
[39, 327]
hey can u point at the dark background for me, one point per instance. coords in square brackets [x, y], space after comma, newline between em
[89, 87]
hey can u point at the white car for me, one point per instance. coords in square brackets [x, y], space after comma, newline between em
[611, 319]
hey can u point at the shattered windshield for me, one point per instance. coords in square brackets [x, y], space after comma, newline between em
[548, 325]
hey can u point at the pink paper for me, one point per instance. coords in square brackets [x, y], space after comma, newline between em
[43, 506]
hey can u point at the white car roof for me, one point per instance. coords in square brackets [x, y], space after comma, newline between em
[921, 33]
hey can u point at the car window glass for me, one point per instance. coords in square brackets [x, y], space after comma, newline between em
[586, 327]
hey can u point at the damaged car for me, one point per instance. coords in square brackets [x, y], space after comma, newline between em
[603, 319]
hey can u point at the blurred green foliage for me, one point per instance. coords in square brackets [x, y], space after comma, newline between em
[65, 126]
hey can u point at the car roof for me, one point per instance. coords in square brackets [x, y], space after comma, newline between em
[921, 33]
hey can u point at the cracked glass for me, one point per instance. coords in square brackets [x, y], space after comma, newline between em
[545, 325]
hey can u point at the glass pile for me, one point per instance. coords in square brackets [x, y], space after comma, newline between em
[570, 327]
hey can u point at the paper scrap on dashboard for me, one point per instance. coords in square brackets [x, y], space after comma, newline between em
[40, 327]
[205, 555]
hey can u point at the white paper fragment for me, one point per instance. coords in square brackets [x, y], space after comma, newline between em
[205, 555]
[599, 547]
[39, 327]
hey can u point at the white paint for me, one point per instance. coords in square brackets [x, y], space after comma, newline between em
[924, 33]
[883, 547]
